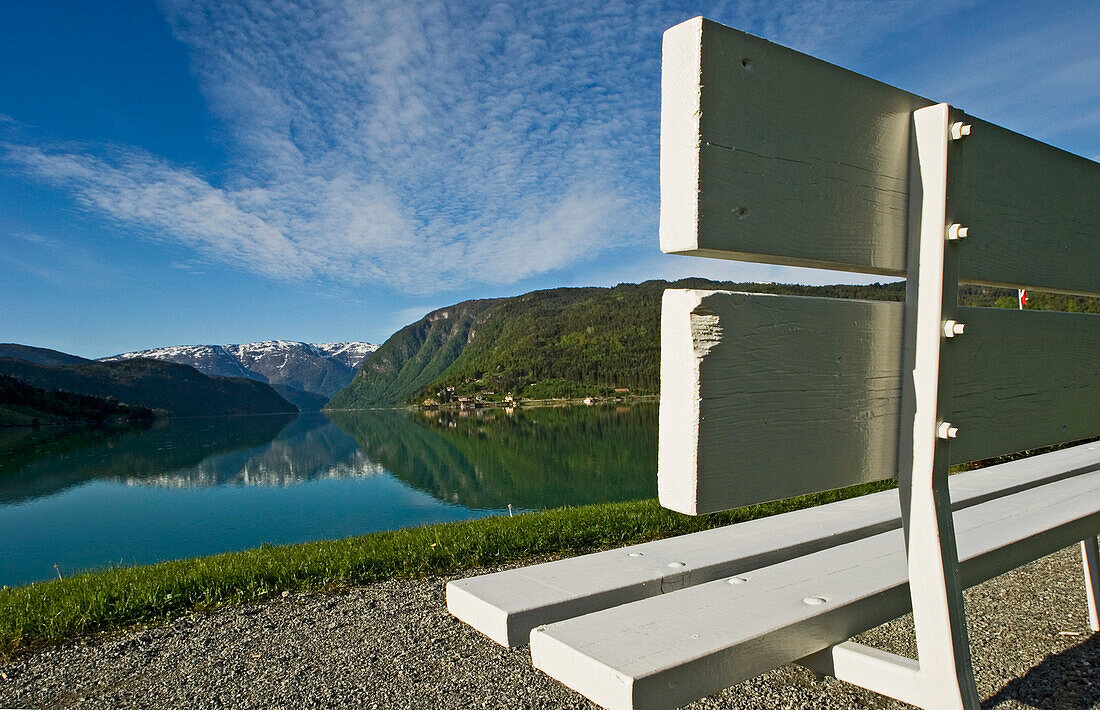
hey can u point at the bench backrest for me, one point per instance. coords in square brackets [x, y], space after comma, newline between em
[773, 156]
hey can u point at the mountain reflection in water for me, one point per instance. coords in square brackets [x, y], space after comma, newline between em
[188, 487]
[535, 458]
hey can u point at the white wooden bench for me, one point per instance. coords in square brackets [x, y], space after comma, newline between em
[771, 155]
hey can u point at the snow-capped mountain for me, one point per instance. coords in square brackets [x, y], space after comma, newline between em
[301, 372]
[351, 354]
[207, 359]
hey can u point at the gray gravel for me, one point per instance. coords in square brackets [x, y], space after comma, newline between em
[392, 645]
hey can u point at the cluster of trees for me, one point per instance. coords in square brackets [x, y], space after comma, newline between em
[576, 342]
[165, 387]
[992, 297]
[36, 403]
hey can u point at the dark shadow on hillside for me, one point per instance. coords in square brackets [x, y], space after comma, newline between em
[1061, 681]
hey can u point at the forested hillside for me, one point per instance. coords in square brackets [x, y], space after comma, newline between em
[991, 297]
[176, 390]
[564, 342]
[574, 342]
[21, 405]
[413, 357]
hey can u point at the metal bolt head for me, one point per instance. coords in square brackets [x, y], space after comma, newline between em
[946, 430]
[959, 130]
[957, 231]
[951, 328]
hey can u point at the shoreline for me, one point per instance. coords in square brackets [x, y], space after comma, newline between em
[626, 400]
[79, 606]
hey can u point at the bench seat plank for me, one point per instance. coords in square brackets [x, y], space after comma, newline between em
[506, 606]
[666, 651]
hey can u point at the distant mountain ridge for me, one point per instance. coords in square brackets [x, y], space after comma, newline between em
[166, 387]
[573, 342]
[41, 356]
[307, 374]
[562, 342]
[413, 357]
[351, 354]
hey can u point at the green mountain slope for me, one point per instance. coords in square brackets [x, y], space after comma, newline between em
[573, 342]
[178, 390]
[413, 357]
[564, 342]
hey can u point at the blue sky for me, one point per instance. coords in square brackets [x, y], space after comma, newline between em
[208, 171]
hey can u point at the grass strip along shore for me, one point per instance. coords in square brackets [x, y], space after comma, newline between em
[103, 600]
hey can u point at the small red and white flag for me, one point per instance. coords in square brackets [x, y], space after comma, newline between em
[1023, 299]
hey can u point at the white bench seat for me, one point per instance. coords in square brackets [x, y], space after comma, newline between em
[506, 606]
[668, 650]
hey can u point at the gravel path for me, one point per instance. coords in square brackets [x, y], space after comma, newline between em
[393, 645]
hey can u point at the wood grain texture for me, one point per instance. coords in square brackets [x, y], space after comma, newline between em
[666, 651]
[798, 161]
[774, 156]
[1021, 380]
[766, 397]
[1033, 212]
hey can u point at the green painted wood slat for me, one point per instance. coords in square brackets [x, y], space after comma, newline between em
[774, 156]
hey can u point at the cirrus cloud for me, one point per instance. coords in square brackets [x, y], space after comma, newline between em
[424, 146]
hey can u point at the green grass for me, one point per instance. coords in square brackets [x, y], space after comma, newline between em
[48, 612]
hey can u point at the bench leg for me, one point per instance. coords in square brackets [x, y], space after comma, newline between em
[946, 677]
[942, 677]
[1090, 559]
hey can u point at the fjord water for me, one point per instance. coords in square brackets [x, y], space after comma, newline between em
[181, 488]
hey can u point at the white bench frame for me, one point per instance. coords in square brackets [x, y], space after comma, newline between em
[943, 678]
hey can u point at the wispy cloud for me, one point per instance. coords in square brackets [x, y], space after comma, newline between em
[51, 276]
[37, 239]
[1039, 78]
[59, 263]
[424, 146]
[139, 188]
[414, 147]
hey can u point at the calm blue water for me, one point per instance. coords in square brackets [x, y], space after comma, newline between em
[85, 499]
